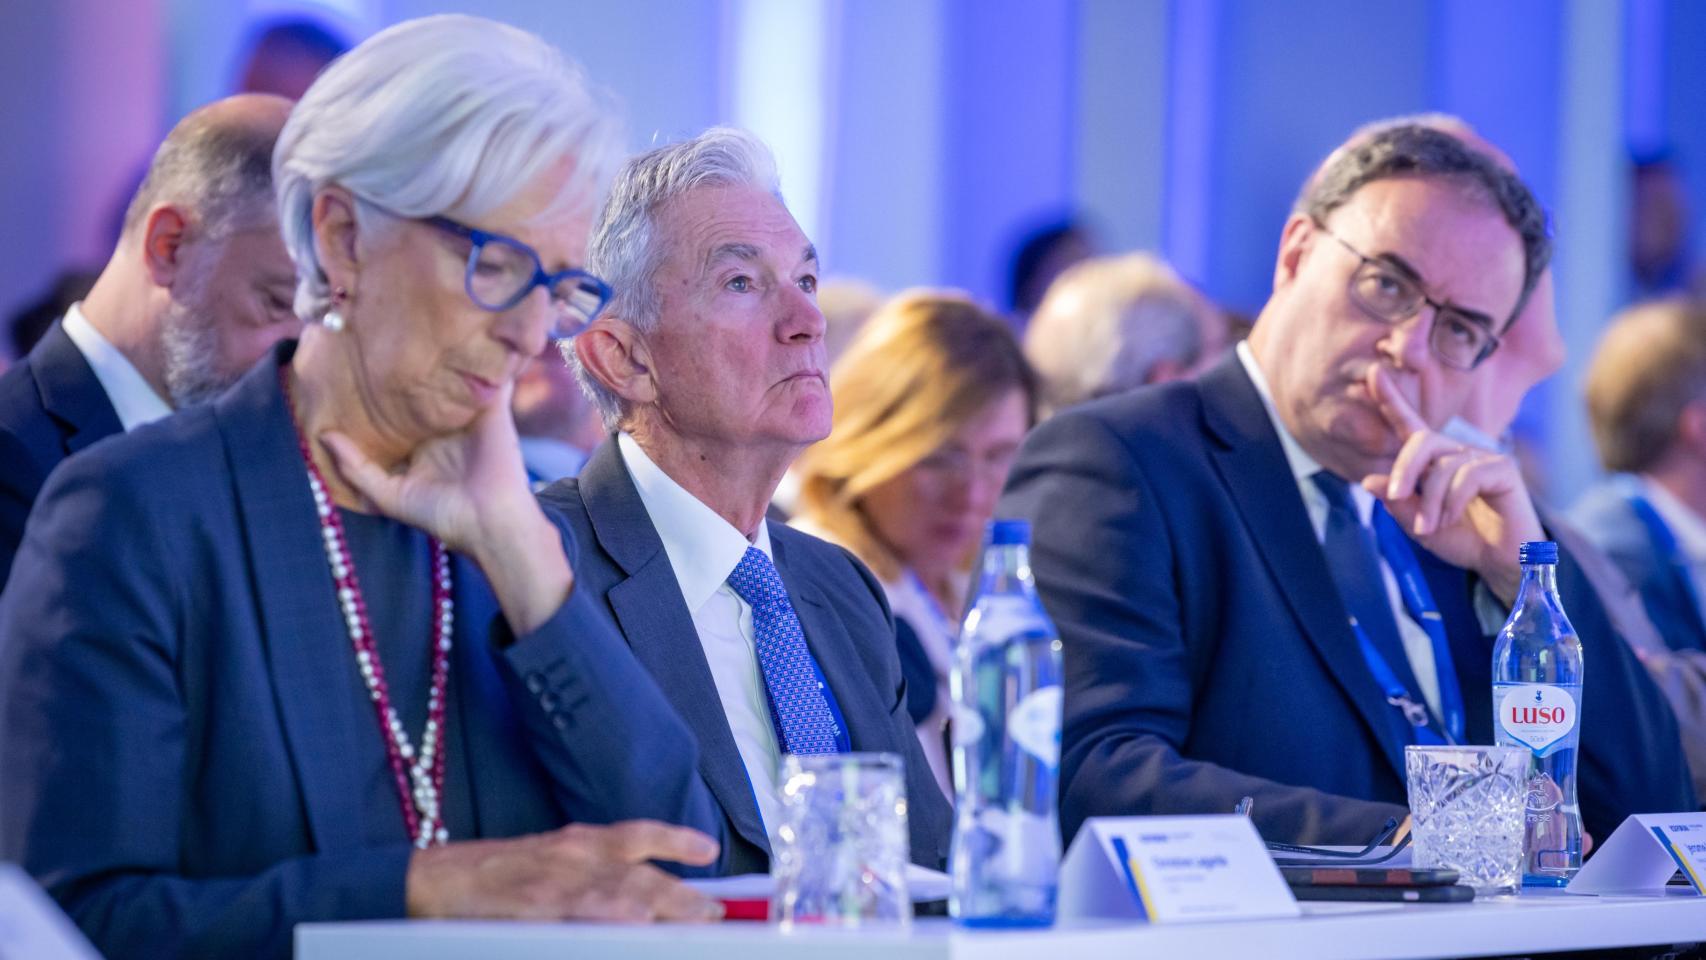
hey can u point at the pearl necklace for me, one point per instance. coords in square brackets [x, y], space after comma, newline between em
[425, 770]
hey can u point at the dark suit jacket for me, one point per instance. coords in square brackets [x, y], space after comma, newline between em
[1208, 655]
[840, 605]
[1605, 516]
[184, 761]
[51, 406]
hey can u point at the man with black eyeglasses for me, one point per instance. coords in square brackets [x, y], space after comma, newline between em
[1270, 581]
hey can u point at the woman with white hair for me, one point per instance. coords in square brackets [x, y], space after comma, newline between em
[313, 652]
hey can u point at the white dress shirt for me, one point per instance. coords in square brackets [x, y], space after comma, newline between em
[1688, 527]
[704, 550]
[132, 398]
[1418, 646]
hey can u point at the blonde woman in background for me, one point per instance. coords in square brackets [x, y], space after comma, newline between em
[932, 399]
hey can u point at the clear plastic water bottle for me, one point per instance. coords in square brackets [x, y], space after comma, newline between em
[1537, 704]
[1006, 686]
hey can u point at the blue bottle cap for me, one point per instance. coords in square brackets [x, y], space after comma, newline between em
[1537, 551]
[1008, 533]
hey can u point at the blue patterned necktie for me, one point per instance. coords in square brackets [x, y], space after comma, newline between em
[802, 711]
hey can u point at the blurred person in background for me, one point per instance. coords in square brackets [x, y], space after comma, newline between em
[1109, 324]
[213, 727]
[557, 423]
[931, 402]
[284, 56]
[846, 303]
[1042, 254]
[198, 289]
[1646, 397]
[1661, 252]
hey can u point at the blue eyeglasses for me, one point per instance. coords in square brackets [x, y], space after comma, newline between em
[502, 271]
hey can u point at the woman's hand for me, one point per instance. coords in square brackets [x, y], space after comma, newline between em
[470, 491]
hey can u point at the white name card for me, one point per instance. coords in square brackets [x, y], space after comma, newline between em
[1644, 852]
[1172, 870]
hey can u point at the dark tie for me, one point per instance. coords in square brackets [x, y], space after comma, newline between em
[802, 711]
[1354, 561]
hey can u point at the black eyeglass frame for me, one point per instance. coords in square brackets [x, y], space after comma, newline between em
[1420, 297]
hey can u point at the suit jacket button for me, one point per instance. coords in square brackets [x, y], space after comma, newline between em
[560, 722]
[548, 702]
[535, 682]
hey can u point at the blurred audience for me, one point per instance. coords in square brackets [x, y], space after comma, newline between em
[846, 304]
[1042, 254]
[709, 371]
[284, 56]
[197, 290]
[1646, 396]
[1250, 530]
[1109, 324]
[557, 423]
[213, 729]
[1661, 251]
[931, 402]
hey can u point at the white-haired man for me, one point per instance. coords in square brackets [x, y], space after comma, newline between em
[709, 369]
[196, 291]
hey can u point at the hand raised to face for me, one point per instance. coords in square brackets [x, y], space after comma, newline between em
[470, 490]
[1467, 506]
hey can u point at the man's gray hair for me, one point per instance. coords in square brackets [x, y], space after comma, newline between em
[1107, 322]
[626, 250]
[219, 172]
[1416, 150]
[444, 115]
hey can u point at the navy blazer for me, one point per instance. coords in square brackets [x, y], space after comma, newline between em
[183, 758]
[840, 605]
[1610, 523]
[51, 406]
[1209, 657]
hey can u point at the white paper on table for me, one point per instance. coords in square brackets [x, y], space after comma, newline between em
[923, 884]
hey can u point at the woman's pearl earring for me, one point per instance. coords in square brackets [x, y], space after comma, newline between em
[334, 319]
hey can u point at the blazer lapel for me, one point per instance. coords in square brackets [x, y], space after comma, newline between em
[306, 642]
[1252, 463]
[659, 628]
[70, 391]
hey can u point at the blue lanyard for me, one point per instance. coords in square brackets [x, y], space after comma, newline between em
[1665, 542]
[1419, 602]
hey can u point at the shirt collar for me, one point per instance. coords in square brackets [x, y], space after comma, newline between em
[1685, 525]
[703, 548]
[1303, 466]
[132, 398]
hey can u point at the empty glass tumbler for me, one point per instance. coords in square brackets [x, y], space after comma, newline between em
[1466, 812]
[841, 850]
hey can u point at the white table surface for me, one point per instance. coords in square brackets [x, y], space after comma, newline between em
[1534, 922]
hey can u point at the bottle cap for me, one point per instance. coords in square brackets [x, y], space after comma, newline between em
[1007, 533]
[1537, 551]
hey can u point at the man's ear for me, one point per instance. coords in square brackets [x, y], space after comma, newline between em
[1294, 240]
[163, 236]
[335, 232]
[615, 354]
